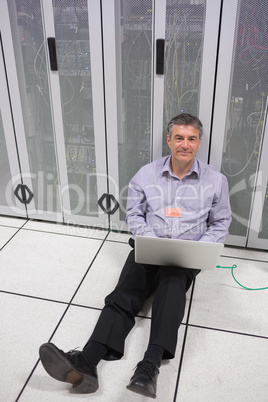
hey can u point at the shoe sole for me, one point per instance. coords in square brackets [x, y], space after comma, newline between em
[59, 367]
[140, 391]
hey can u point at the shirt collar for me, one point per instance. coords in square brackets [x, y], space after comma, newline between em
[167, 168]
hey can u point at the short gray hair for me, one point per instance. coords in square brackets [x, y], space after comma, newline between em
[185, 119]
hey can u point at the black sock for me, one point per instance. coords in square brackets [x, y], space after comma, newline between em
[93, 352]
[155, 354]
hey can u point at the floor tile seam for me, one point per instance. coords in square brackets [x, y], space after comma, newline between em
[90, 265]
[10, 226]
[11, 238]
[62, 234]
[34, 297]
[100, 309]
[244, 259]
[71, 225]
[86, 307]
[63, 302]
[120, 231]
[28, 379]
[228, 331]
[15, 217]
[116, 241]
[184, 342]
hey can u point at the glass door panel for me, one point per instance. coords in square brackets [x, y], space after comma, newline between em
[31, 68]
[134, 90]
[191, 31]
[5, 173]
[74, 66]
[183, 62]
[258, 230]
[244, 109]
[263, 232]
[10, 176]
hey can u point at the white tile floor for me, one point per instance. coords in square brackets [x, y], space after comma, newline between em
[53, 282]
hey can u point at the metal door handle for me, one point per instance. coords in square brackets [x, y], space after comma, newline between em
[24, 199]
[160, 56]
[108, 209]
[52, 54]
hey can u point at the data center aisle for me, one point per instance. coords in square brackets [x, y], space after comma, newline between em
[53, 282]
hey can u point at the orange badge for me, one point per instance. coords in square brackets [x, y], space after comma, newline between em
[173, 212]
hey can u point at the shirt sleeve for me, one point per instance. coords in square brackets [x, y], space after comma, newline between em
[136, 209]
[219, 218]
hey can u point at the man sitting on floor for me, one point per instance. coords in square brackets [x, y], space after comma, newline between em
[198, 194]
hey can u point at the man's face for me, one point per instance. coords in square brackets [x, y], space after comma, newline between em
[184, 144]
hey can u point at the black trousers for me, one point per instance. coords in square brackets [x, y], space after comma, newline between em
[136, 283]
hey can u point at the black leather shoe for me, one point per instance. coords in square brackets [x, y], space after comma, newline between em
[144, 379]
[69, 367]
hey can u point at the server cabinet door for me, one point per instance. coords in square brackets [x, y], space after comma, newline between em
[128, 64]
[58, 62]
[240, 107]
[24, 51]
[78, 107]
[10, 176]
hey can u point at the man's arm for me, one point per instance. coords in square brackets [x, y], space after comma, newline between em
[219, 218]
[136, 209]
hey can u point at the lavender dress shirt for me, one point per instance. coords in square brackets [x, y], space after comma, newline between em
[196, 207]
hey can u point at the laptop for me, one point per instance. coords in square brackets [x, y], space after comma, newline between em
[175, 252]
